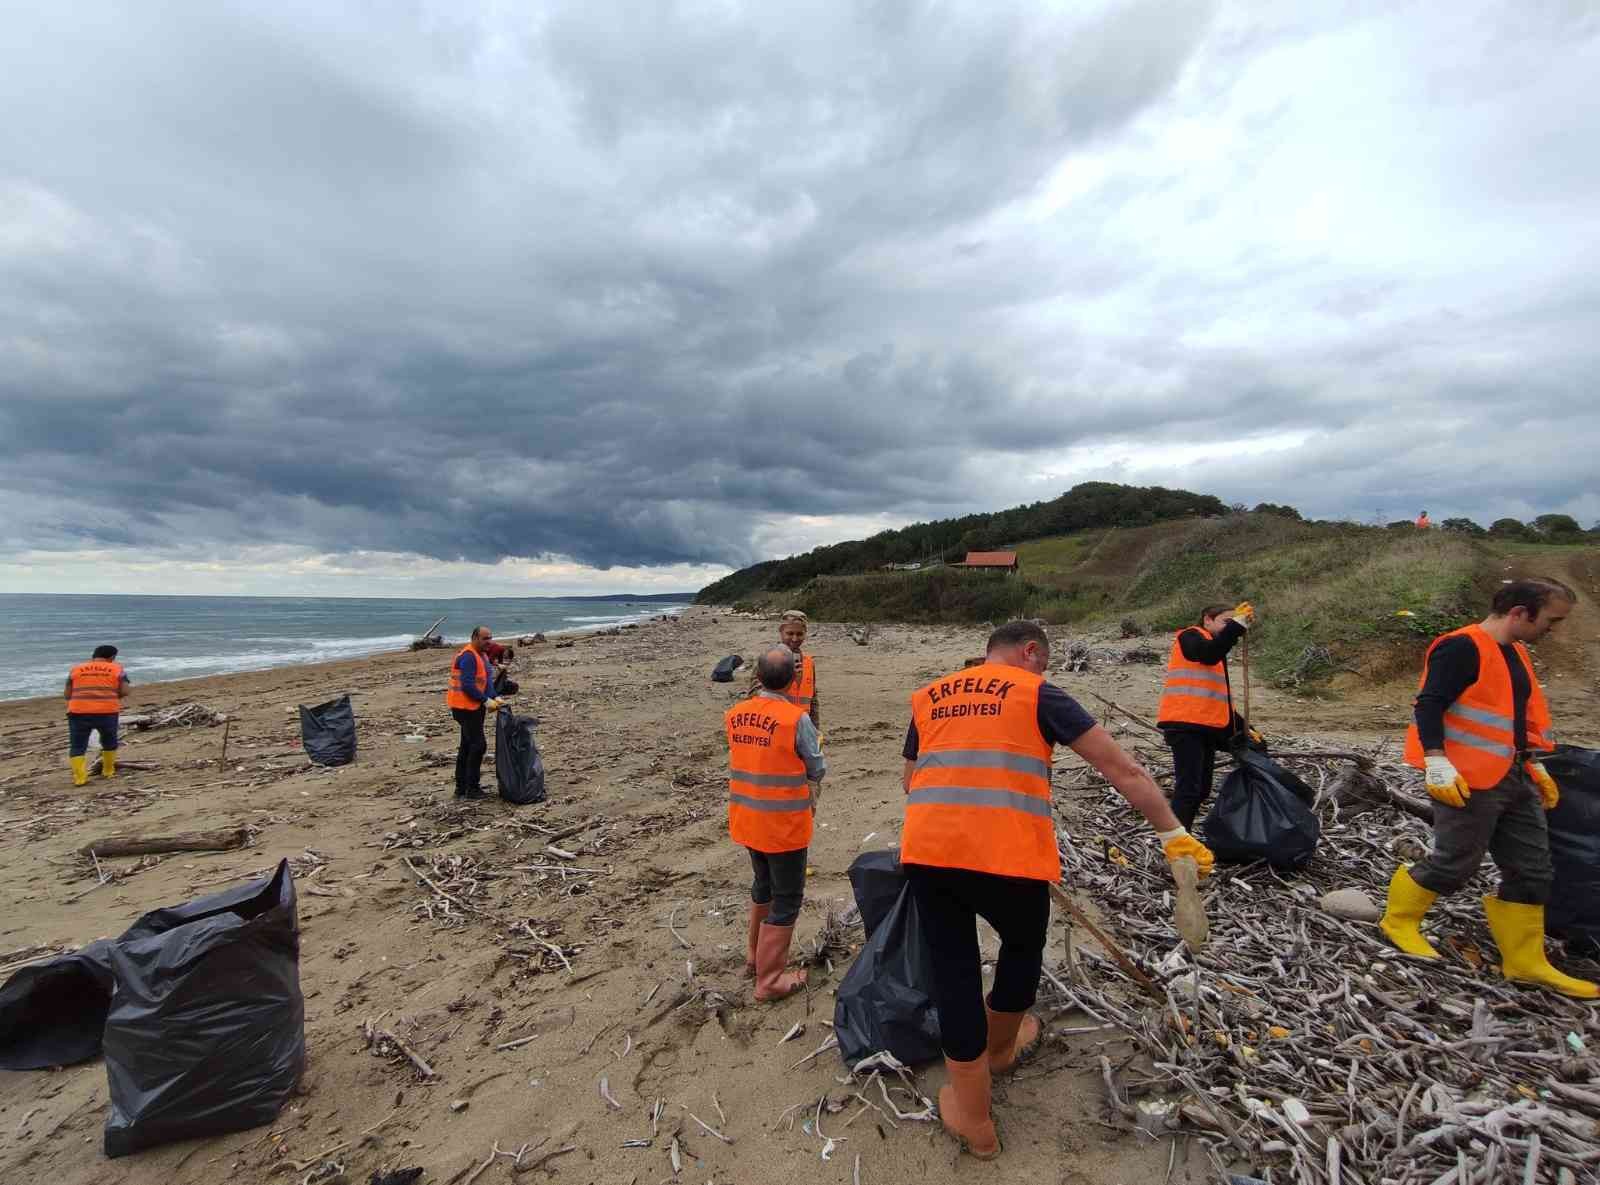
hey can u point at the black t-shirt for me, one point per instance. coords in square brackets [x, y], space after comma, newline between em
[1452, 668]
[1062, 720]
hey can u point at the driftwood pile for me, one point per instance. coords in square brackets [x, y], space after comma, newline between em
[189, 715]
[1301, 1045]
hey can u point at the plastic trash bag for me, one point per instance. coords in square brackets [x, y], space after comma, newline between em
[1262, 812]
[518, 764]
[53, 1013]
[723, 671]
[876, 880]
[885, 1001]
[1573, 913]
[206, 1032]
[328, 732]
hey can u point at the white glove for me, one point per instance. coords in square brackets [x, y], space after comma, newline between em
[1445, 784]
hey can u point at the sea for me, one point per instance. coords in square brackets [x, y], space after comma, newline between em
[43, 636]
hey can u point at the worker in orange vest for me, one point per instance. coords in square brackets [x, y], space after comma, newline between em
[979, 841]
[1196, 714]
[470, 698]
[792, 628]
[1423, 521]
[775, 771]
[95, 691]
[1480, 722]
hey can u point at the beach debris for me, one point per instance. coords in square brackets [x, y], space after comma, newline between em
[187, 714]
[605, 1093]
[407, 1176]
[377, 1038]
[1352, 904]
[430, 639]
[797, 1030]
[145, 845]
[860, 635]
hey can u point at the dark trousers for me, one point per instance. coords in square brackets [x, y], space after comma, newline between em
[950, 901]
[1507, 822]
[1194, 763]
[80, 725]
[469, 755]
[780, 880]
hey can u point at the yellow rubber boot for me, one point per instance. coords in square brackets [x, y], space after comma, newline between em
[108, 763]
[80, 770]
[1402, 920]
[1518, 930]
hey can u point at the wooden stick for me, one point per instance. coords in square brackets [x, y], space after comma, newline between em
[194, 841]
[412, 1055]
[1135, 972]
[1244, 658]
[223, 760]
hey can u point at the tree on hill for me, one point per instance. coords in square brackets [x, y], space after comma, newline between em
[1557, 526]
[1509, 528]
[1462, 526]
[1277, 509]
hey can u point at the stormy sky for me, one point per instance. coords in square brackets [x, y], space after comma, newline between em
[411, 297]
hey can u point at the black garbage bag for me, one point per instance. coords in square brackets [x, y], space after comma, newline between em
[1262, 812]
[723, 671]
[876, 879]
[518, 764]
[328, 732]
[206, 1032]
[504, 684]
[1574, 910]
[52, 1014]
[885, 1001]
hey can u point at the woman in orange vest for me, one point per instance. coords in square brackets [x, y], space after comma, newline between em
[775, 771]
[802, 689]
[1196, 714]
[95, 690]
[980, 841]
[470, 698]
[1480, 722]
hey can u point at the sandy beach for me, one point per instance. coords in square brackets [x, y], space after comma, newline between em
[624, 963]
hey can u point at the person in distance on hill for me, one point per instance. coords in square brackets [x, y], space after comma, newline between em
[1196, 714]
[775, 771]
[979, 841]
[1480, 722]
[95, 690]
[470, 699]
[1423, 521]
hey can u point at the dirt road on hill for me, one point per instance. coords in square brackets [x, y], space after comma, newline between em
[631, 734]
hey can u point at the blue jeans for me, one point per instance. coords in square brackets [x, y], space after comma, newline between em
[79, 726]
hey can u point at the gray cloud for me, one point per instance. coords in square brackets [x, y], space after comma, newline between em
[631, 288]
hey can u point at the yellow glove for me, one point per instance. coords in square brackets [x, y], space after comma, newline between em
[1444, 783]
[494, 705]
[1179, 843]
[1547, 785]
[1245, 614]
[1257, 737]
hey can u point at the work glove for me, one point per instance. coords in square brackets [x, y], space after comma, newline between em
[1245, 614]
[1256, 737]
[1444, 783]
[494, 705]
[1178, 843]
[1547, 785]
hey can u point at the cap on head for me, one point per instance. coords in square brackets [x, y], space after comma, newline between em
[775, 668]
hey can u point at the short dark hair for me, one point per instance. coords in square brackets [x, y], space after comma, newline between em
[1018, 633]
[105, 652]
[775, 668]
[1532, 594]
[1211, 611]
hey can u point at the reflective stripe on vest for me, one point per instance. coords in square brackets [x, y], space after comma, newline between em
[804, 684]
[1195, 692]
[769, 802]
[1480, 727]
[455, 697]
[94, 689]
[979, 795]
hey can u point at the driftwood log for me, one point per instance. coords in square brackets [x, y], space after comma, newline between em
[191, 841]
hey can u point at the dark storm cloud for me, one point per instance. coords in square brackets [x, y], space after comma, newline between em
[628, 284]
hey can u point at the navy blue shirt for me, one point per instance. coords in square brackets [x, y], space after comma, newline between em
[1062, 720]
[471, 687]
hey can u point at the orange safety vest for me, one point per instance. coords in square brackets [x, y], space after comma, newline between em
[1480, 727]
[94, 688]
[769, 803]
[455, 697]
[980, 788]
[1423, 522]
[804, 685]
[1195, 692]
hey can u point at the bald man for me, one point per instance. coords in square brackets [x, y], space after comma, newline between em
[775, 770]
